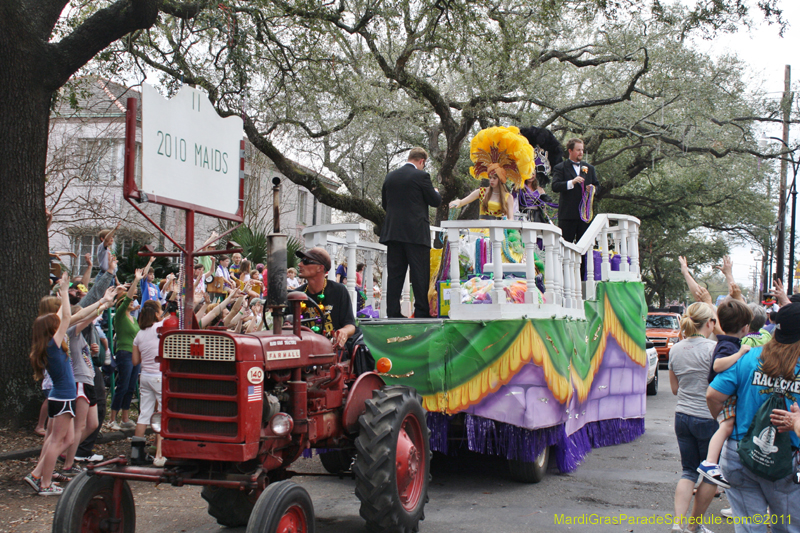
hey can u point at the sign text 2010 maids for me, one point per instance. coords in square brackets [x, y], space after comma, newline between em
[174, 147]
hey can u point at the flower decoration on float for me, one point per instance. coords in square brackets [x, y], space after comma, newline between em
[505, 147]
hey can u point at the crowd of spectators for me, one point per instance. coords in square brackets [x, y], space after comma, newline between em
[78, 347]
[732, 359]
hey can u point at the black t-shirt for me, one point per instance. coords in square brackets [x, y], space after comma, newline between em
[337, 305]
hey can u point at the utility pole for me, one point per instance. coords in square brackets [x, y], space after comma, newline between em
[786, 105]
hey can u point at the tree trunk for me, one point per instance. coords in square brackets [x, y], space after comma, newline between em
[24, 116]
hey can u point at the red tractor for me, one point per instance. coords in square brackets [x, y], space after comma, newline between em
[239, 409]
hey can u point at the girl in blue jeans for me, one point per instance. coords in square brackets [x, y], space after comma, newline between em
[126, 328]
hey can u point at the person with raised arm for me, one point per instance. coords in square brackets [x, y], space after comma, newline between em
[126, 328]
[49, 352]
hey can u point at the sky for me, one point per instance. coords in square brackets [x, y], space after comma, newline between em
[767, 53]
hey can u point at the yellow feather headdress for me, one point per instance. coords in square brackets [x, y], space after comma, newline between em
[506, 147]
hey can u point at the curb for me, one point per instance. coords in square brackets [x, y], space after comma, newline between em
[101, 439]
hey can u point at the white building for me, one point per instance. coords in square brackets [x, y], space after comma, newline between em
[85, 172]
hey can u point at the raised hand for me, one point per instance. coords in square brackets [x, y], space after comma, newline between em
[139, 274]
[684, 264]
[702, 295]
[88, 258]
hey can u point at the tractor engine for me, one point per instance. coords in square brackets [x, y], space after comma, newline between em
[232, 397]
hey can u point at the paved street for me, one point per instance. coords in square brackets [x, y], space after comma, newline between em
[471, 494]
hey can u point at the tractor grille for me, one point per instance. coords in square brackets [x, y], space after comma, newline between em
[196, 427]
[202, 386]
[203, 347]
[195, 366]
[190, 406]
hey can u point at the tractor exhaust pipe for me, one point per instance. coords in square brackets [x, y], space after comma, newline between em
[276, 264]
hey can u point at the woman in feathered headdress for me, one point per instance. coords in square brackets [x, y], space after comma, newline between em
[500, 154]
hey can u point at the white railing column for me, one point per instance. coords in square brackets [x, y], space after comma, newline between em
[633, 248]
[566, 271]
[576, 275]
[498, 237]
[623, 246]
[529, 241]
[605, 265]
[552, 292]
[455, 273]
[590, 282]
[352, 243]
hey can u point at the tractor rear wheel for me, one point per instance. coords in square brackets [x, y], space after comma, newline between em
[392, 465]
[283, 507]
[231, 507]
[87, 506]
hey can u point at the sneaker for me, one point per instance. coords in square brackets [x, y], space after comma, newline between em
[58, 477]
[702, 529]
[727, 512]
[676, 528]
[130, 424]
[113, 426]
[712, 472]
[52, 490]
[71, 472]
[159, 461]
[95, 458]
[33, 481]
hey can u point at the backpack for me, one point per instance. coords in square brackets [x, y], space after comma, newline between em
[764, 451]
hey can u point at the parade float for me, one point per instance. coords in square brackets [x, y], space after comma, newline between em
[527, 358]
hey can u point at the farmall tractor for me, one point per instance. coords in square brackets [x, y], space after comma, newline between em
[239, 409]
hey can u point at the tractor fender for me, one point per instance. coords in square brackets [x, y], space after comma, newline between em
[360, 392]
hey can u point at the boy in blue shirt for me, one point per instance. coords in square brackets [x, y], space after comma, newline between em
[734, 320]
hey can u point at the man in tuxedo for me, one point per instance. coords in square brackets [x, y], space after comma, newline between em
[568, 176]
[407, 193]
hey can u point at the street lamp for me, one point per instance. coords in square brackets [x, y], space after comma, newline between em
[782, 212]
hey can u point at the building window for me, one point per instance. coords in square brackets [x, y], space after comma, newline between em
[88, 242]
[326, 214]
[302, 200]
[101, 159]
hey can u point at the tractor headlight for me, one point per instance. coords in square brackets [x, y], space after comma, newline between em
[281, 424]
[673, 340]
[155, 422]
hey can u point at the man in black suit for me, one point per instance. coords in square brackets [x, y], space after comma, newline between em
[567, 179]
[407, 193]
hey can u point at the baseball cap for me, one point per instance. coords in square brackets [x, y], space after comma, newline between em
[787, 330]
[318, 255]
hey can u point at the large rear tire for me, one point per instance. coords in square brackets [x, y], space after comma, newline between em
[337, 461]
[530, 472]
[284, 507]
[230, 507]
[392, 465]
[87, 505]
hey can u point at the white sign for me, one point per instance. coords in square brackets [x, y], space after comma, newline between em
[283, 354]
[189, 152]
[255, 375]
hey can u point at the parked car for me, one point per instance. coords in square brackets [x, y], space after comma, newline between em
[663, 330]
[652, 369]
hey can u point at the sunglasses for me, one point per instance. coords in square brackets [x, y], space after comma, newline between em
[307, 261]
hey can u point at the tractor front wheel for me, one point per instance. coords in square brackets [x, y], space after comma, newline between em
[283, 507]
[392, 465]
[87, 506]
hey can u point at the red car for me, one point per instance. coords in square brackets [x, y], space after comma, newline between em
[663, 330]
